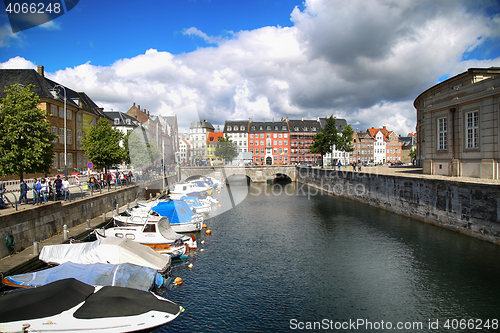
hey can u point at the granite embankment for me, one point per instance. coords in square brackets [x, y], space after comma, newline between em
[466, 205]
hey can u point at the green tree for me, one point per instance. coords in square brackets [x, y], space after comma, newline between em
[102, 145]
[25, 136]
[329, 138]
[413, 155]
[345, 140]
[226, 149]
[142, 152]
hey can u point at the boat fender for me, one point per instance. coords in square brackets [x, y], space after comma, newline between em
[10, 242]
[178, 281]
[190, 265]
[208, 232]
[205, 226]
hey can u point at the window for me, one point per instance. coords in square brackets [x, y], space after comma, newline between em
[70, 160]
[280, 142]
[61, 112]
[251, 135]
[268, 127]
[262, 150]
[242, 128]
[117, 121]
[275, 135]
[53, 130]
[275, 150]
[261, 142]
[69, 114]
[69, 137]
[54, 161]
[275, 142]
[229, 128]
[251, 143]
[261, 128]
[61, 135]
[53, 110]
[79, 117]
[283, 128]
[253, 127]
[472, 129]
[262, 135]
[149, 228]
[285, 135]
[251, 150]
[127, 121]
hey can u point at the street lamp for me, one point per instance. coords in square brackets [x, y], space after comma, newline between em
[56, 96]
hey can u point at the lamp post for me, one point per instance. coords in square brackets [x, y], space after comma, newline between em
[55, 93]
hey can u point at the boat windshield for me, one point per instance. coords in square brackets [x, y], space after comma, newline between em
[165, 229]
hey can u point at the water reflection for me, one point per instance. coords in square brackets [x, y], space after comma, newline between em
[285, 253]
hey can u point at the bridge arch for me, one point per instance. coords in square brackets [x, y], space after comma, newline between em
[257, 173]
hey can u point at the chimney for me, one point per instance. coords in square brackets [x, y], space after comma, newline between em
[134, 104]
[40, 70]
[148, 112]
[139, 107]
[383, 127]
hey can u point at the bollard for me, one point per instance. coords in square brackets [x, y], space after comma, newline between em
[128, 205]
[36, 250]
[88, 223]
[117, 210]
[104, 217]
[65, 232]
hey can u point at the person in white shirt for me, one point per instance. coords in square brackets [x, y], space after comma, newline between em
[45, 190]
[65, 188]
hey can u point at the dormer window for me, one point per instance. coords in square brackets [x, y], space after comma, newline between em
[268, 127]
[127, 121]
[117, 121]
[229, 128]
[253, 127]
[242, 128]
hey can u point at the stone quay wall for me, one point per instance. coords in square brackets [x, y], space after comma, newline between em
[469, 208]
[39, 223]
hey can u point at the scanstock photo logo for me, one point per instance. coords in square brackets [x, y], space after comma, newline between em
[28, 14]
[146, 155]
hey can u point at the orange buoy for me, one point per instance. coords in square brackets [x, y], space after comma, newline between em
[208, 232]
[202, 242]
[178, 281]
[204, 225]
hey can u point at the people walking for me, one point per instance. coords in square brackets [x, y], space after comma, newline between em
[353, 166]
[65, 188]
[58, 185]
[24, 191]
[339, 165]
[37, 187]
[359, 166]
[44, 190]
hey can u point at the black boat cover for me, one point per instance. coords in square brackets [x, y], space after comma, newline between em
[120, 302]
[49, 300]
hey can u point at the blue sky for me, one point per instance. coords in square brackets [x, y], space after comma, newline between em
[364, 61]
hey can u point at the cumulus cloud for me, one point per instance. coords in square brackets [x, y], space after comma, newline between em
[17, 63]
[365, 61]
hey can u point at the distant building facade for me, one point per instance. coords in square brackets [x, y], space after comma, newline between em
[458, 125]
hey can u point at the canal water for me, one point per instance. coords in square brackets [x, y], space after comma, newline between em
[290, 258]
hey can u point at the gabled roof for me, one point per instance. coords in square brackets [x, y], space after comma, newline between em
[214, 136]
[122, 117]
[238, 124]
[304, 125]
[202, 124]
[339, 123]
[281, 125]
[186, 142]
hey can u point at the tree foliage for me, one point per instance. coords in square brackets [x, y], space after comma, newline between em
[141, 151]
[25, 136]
[102, 145]
[226, 149]
[329, 138]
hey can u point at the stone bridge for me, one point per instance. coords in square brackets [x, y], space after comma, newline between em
[257, 173]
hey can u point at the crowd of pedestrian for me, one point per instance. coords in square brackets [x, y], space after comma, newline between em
[43, 189]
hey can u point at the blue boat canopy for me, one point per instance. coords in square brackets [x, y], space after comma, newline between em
[177, 211]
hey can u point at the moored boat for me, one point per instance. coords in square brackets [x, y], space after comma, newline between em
[97, 274]
[156, 233]
[180, 215]
[70, 305]
[109, 250]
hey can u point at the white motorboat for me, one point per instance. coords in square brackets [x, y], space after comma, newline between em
[180, 215]
[152, 231]
[109, 250]
[196, 205]
[70, 305]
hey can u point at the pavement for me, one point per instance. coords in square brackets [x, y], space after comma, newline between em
[413, 172]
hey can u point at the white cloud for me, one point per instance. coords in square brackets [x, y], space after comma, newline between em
[17, 63]
[7, 36]
[365, 61]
